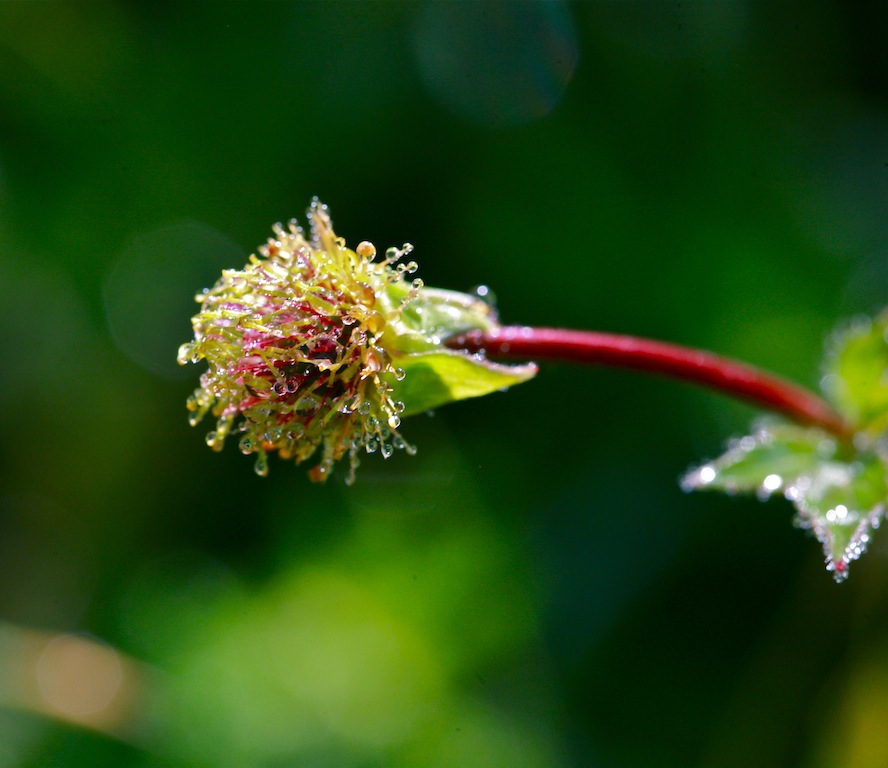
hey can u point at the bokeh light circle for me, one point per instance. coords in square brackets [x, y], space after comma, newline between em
[495, 63]
[149, 292]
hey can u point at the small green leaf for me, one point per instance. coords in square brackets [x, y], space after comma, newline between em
[856, 381]
[432, 379]
[841, 502]
[839, 491]
[764, 462]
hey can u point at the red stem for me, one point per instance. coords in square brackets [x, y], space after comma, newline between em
[704, 368]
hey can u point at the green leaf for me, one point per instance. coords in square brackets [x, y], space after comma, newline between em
[841, 503]
[766, 461]
[839, 491]
[432, 379]
[856, 381]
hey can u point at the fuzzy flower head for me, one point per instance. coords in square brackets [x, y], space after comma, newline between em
[317, 350]
[296, 352]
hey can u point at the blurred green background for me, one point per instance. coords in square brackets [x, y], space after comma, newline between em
[532, 589]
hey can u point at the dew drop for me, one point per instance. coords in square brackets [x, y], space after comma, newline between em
[372, 446]
[485, 294]
[366, 250]
[698, 478]
[387, 450]
[400, 374]
[837, 515]
[246, 445]
[772, 483]
[839, 570]
[261, 465]
[394, 421]
[399, 406]
[318, 474]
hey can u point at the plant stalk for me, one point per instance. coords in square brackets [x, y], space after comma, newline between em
[693, 365]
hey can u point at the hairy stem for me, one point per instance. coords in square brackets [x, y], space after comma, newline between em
[704, 368]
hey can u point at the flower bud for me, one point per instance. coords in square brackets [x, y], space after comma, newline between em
[308, 347]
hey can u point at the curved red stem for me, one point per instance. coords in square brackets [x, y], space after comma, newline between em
[693, 365]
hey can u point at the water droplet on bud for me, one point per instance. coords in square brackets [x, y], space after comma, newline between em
[485, 294]
[366, 250]
[318, 474]
[261, 465]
